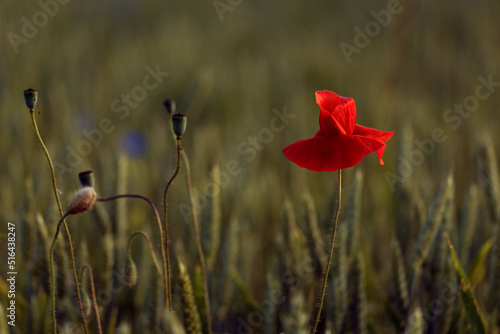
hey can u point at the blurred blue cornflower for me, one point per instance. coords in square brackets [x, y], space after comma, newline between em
[134, 143]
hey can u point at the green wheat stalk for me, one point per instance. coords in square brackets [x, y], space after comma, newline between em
[472, 310]
[451, 310]
[488, 177]
[3, 320]
[399, 282]
[172, 324]
[201, 257]
[296, 321]
[467, 222]
[120, 221]
[192, 320]
[416, 323]
[353, 213]
[294, 240]
[404, 193]
[494, 277]
[108, 245]
[212, 226]
[228, 266]
[270, 287]
[153, 305]
[358, 309]
[313, 236]
[428, 234]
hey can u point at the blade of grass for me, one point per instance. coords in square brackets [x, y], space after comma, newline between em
[470, 303]
[477, 269]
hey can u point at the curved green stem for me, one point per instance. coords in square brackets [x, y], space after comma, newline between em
[198, 242]
[168, 301]
[94, 299]
[325, 278]
[70, 244]
[151, 250]
[160, 229]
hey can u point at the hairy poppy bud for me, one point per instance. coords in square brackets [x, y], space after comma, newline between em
[179, 122]
[130, 273]
[82, 200]
[86, 178]
[31, 98]
[169, 105]
[86, 303]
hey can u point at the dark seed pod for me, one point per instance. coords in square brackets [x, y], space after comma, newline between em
[86, 178]
[169, 105]
[31, 98]
[179, 122]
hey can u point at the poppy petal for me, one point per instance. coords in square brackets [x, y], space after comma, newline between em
[341, 109]
[328, 125]
[328, 154]
[380, 153]
[382, 136]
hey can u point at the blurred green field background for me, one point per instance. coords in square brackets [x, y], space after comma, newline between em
[228, 75]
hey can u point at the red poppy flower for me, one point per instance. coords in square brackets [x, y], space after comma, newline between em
[339, 143]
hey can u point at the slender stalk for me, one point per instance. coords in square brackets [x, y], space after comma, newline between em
[94, 299]
[325, 278]
[160, 229]
[70, 244]
[415, 276]
[167, 255]
[52, 276]
[151, 250]
[198, 242]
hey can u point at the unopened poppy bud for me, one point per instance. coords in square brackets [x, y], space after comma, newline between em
[82, 200]
[86, 304]
[86, 178]
[31, 98]
[169, 105]
[130, 273]
[179, 122]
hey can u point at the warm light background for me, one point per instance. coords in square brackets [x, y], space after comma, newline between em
[229, 75]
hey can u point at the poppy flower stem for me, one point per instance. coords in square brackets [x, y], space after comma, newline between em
[164, 282]
[325, 278]
[151, 251]
[63, 221]
[52, 276]
[167, 254]
[92, 289]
